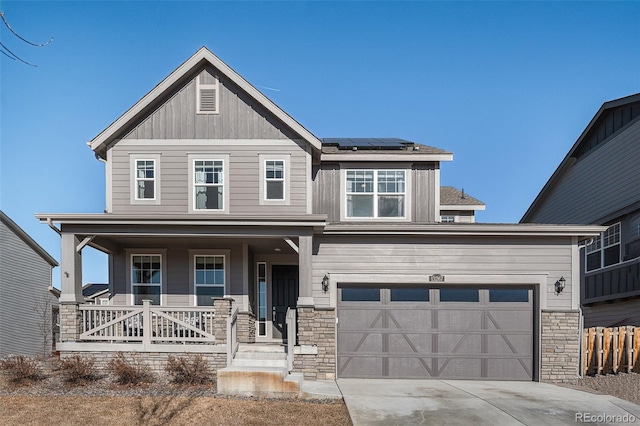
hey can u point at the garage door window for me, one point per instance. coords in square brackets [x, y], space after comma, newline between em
[508, 295]
[409, 294]
[360, 295]
[459, 295]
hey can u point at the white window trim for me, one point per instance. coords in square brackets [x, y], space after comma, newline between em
[133, 159]
[192, 158]
[453, 217]
[376, 168]
[263, 158]
[214, 86]
[163, 271]
[603, 248]
[192, 270]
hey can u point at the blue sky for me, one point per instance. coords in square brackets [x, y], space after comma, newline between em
[506, 86]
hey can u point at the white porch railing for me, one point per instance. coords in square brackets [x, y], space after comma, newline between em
[232, 336]
[147, 324]
[291, 336]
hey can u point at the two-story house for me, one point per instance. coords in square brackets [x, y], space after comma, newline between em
[230, 227]
[598, 182]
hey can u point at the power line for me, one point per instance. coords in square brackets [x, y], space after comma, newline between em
[7, 52]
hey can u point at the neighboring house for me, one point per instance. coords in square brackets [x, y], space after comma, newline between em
[96, 294]
[239, 225]
[598, 182]
[25, 302]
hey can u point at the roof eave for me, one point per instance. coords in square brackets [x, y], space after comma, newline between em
[462, 207]
[27, 239]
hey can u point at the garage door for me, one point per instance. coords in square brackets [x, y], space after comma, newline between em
[447, 333]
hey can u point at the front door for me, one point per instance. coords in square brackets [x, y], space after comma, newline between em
[284, 294]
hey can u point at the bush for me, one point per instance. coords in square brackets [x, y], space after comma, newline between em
[21, 369]
[78, 369]
[192, 370]
[131, 371]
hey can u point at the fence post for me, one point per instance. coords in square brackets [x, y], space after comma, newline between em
[636, 349]
[146, 322]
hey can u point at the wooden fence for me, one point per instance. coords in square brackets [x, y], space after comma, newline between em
[611, 350]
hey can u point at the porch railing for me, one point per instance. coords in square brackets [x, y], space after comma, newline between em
[291, 336]
[232, 336]
[147, 324]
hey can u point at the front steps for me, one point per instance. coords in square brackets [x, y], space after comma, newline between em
[259, 370]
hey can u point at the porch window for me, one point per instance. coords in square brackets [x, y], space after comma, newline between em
[375, 193]
[262, 299]
[145, 180]
[208, 181]
[274, 180]
[605, 249]
[146, 278]
[209, 279]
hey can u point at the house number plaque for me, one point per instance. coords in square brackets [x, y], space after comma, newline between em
[436, 278]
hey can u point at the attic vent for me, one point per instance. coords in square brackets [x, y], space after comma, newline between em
[207, 102]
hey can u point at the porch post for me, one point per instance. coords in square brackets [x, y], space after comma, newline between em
[222, 310]
[71, 270]
[305, 248]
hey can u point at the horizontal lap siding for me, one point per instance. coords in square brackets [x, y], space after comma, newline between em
[612, 314]
[453, 256]
[244, 176]
[24, 280]
[604, 181]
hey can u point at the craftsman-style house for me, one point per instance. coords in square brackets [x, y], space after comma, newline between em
[230, 227]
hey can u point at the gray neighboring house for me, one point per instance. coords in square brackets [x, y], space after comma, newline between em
[231, 230]
[598, 182]
[25, 278]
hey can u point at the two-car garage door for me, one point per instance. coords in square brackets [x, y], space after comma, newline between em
[447, 332]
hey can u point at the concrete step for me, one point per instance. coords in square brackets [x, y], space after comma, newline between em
[258, 362]
[262, 348]
[261, 355]
[258, 381]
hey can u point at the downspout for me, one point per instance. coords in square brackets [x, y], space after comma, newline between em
[52, 226]
[580, 346]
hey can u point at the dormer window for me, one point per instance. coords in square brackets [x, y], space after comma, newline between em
[375, 193]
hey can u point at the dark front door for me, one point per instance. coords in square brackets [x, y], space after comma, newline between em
[284, 294]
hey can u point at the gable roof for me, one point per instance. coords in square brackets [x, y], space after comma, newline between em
[452, 197]
[27, 239]
[570, 158]
[93, 290]
[203, 55]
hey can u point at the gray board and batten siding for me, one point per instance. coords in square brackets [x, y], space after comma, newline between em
[596, 185]
[329, 199]
[25, 276]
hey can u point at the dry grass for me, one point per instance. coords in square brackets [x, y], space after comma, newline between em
[172, 410]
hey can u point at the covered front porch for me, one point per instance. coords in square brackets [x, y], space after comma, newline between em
[186, 285]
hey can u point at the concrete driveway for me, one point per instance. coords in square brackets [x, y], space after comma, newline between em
[466, 402]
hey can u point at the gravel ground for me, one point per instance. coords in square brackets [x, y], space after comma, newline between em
[622, 385]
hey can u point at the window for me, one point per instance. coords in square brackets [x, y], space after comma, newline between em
[375, 193]
[415, 294]
[360, 295]
[207, 94]
[274, 179]
[209, 279]
[605, 249]
[447, 219]
[262, 299]
[146, 278]
[459, 295]
[208, 184]
[145, 178]
[508, 295]
[104, 300]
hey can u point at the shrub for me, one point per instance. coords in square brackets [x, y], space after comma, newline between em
[21, 369]
[78, 369]
[132, 371]
[192, 370]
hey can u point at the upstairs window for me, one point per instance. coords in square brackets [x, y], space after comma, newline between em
[274, 179]
[208, 184]
[605, 249]
[145, 180]
[375, 193]
[447, 219]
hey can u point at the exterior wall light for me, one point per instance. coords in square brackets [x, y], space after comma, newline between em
[325, 283]
[560, 285]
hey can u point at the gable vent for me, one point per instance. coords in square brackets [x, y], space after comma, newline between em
[207, 94]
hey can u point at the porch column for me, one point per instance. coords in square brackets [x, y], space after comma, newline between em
[71, 270]
[305, 248]
[222, 310]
